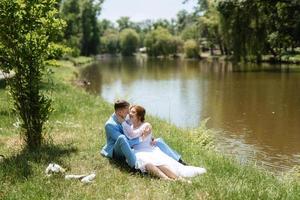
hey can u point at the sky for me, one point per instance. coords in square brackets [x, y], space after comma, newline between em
[139, 10]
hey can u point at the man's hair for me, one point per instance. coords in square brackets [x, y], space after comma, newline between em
[120, 104]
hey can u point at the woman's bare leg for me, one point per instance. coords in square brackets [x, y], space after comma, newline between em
[172, 175]
[167, 172]
[155, 171]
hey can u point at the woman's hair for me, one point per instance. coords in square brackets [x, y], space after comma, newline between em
[140, 112]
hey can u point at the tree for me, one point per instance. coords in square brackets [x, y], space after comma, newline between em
[165, 24]
[27, 28]
[129, 41]
[104, 25]
[110, 42]
[209, 25]
[70, 12]
[83, 31]
[184, 19]
[90, 40]
[191, 32]
[160, 42]
[124, 22]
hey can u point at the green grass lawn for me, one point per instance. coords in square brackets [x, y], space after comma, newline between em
[75, 135]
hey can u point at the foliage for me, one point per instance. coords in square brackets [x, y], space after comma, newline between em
[191, 49]
[90, 40]
[163, 23]
[249, 29]
[184, 20]
[82, 33]
[57, 51]
[176, 45]
[110, 42]
[160, 42]
[27, 28]
[125, 23]
[70, 12]
[260, 27]
[129, 41]
[191, 32]
[105, 25]
[244, 30]
[209, 25]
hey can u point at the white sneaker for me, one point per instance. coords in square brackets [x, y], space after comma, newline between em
[89, 178]
[73, 176]
[54, 168]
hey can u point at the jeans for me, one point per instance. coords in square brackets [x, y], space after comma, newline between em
[166, 149]
[122, 149]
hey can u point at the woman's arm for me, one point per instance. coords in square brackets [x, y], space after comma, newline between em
[131, 133]
[128, 131]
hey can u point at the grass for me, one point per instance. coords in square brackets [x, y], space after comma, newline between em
[75, 136]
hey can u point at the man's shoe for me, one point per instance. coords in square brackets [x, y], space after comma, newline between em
[182, 162]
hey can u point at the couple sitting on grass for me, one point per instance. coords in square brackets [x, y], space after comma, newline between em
[129, 138]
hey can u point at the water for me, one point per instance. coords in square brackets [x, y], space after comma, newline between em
[255, 109]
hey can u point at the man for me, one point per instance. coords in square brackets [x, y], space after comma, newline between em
[118, 146]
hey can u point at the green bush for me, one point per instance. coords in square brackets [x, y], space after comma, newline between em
[57, 51]
[191, 49]
[109, 42]
[27, 30]
[160, 42]
[129, 41]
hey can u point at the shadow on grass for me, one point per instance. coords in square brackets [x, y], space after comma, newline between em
[123, 166]
[19, 167]
[4, 113]
[2, 83]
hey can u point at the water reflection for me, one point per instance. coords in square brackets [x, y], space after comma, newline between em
[257, 112]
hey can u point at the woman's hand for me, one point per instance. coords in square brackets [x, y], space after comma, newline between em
[147, 130]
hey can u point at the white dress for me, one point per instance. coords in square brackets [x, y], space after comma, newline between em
[146, 153]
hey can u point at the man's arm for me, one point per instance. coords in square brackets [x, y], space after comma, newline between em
[112, 131]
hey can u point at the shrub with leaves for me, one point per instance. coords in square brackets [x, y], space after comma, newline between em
[129, 41]
[26, 29]
[191, 49]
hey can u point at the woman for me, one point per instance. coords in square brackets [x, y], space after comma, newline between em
[150, 158]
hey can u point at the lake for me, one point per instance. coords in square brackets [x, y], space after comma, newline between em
[254, 110]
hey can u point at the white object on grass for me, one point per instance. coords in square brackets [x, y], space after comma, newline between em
[54, 168]
[74, 176]
[89, 178]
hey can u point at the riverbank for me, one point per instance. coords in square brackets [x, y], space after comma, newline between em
[285, 59]
[75, 134]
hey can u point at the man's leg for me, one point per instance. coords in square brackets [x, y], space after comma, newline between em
[166, 149]
[122, 149]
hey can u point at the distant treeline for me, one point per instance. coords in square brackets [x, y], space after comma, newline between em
[245, 30]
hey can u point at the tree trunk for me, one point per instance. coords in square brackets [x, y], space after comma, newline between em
[211, 50]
